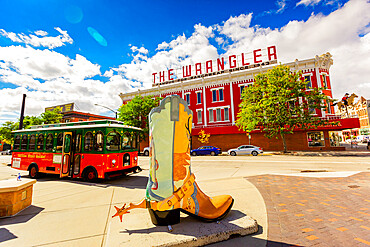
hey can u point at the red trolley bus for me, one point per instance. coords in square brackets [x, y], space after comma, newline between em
[89, 150]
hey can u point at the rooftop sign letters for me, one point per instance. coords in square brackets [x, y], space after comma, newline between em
[257, 58]
[63, 108]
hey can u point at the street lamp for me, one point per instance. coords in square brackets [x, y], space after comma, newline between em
[115, 112]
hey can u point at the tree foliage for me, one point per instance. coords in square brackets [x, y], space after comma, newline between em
[48, 117]
[135, 112]
[278, 102]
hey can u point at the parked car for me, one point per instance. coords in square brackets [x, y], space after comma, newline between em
[206, 150]
[245, 150]
[146, 151]
[6, 152]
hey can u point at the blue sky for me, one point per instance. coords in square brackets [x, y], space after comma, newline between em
[90, 51]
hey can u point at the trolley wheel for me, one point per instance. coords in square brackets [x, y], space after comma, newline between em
[233, 153]
[254, 153]
[90, 175]
[146, 153]
[194, 153]
[33, 171]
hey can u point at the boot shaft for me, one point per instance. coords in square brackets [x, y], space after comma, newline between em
[169, 140]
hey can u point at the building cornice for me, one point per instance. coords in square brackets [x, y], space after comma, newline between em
[323, 62]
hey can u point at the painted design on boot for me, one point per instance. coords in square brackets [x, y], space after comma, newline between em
[194, 197]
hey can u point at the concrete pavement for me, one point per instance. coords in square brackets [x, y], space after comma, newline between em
[73, 213]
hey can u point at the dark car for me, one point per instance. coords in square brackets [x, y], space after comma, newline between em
[205, 150]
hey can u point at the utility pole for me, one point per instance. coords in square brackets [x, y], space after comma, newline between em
[22, 112]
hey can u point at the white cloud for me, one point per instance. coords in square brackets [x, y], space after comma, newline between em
[39, 38]
[308, 2]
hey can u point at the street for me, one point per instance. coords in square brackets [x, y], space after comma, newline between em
[273, 189]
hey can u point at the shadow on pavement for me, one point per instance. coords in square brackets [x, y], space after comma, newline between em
[132, 182]
[6, 235]
[22, 217]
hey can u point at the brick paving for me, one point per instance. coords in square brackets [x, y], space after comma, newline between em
[306, 211]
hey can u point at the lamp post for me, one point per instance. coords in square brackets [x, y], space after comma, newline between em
[115, 112]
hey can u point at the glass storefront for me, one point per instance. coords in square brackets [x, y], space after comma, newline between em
[316, 139]
[335, 137]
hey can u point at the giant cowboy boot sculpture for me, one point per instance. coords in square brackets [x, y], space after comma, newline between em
[171, 186]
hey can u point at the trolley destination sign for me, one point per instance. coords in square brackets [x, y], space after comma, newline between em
[257, 58]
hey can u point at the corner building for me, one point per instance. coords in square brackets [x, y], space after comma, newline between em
[215, 98]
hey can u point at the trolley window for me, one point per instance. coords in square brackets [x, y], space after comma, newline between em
[32, 144]
[78, 143]
[126, 141]
[60, 142]
[24, 142]
[49, 142]
[17, 142]
[40, 142]
[113, 141]
[88, 143]
[99, 141]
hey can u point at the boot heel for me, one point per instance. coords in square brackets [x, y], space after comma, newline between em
[165, 218]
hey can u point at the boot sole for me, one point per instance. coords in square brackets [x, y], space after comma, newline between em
[209, 220]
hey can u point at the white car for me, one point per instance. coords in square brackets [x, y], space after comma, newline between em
[245, 150]
[146, 151]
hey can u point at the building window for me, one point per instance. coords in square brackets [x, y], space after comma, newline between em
[218, 94]
[214, 95]
[316, 139]
[324, 82]
[226, 113]
[199, 117]
[241, 90]
[328, 106]
[218, 114]
[187, 98]
[307, 79]
[335, 138]
[199, 97]
[221, 94]
[211, 119]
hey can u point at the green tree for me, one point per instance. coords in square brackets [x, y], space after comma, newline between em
[136, 111]
[6, 131]
[278, 102]
[50, 117]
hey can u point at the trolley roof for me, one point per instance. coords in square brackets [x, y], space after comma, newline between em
[78, 125]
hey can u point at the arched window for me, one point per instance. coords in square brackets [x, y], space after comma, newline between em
[88, 142]
[17, 142]
[40, 142]
[113, 141]
[24, 142]
[126, 141]
[60, 142]
[49, 142]
[99, 141]
[32, 144]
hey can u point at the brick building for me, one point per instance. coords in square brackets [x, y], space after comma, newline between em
[360, 109]
[70, 115]
[214, 98]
